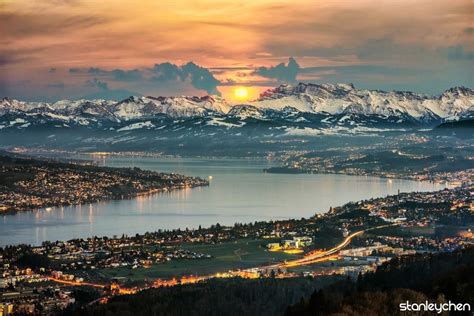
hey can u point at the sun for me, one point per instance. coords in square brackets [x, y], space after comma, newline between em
[241, 93]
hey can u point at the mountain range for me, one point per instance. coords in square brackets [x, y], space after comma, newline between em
[302, 109]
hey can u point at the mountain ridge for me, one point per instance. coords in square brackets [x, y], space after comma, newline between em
[301, 109]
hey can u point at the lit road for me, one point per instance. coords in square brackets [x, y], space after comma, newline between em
[310, 258]
[74, 283]
[316, 256]
[320, 256]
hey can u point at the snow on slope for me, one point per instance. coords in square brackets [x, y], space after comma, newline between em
[340, 101]
[135, 107]
[343, 98]
[138, 125]
[131, 108]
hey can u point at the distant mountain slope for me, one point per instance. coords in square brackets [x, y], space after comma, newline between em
[130, 108]
[343, 98]
[300, 110]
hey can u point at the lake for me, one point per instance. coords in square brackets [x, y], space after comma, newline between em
[239, 192]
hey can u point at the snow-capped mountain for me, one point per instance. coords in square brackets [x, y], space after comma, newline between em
[135, 107]
[344, 98]
[131, 108]
[300, 109]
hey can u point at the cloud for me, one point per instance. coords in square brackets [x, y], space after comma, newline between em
[105, 92]
[281, 72]
[469, 30]
[9, 55]
[96, 71]
[201, 78]
[96, 83]
[56, 85]
[263, 54]
[167, 74]
[431, 80]
[27, 24]
[111, 94]
[359, 69]
[118, 74]
[124, 38]
[457, 53]
[386, 48]
[126, 75]
[371, 76]
[5, 60]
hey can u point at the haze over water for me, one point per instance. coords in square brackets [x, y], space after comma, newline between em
[239, 192]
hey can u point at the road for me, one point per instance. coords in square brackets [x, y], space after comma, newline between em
[74, 283]
[315, 256]
[319, 256]
[309, 258]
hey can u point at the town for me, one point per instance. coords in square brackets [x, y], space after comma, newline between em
[27, 184]
[452, 164]
[46, 278]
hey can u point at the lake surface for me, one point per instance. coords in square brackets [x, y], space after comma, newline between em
[239, 192]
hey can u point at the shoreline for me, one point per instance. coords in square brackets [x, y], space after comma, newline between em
[374, 175]
[30, 184]
[128, 197]
[130, 154]
[284, 170]
[328, 213]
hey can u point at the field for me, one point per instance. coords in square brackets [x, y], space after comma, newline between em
[226, 256]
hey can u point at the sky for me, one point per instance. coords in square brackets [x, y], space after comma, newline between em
[70, 49]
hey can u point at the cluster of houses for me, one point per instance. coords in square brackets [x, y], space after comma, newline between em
[293, 243]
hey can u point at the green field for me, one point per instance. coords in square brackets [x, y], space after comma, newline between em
[226, 256]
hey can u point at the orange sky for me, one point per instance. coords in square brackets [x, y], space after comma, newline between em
[366, 42]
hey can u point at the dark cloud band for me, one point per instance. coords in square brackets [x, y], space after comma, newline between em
[281, 72]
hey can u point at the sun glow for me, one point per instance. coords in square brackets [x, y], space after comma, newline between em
[241, 93]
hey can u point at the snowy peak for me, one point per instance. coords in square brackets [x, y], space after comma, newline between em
[7, 105]
[345, 98]
[456, 102]
[243, 111]
[134, 107]
[457, 92]
[130, 108]
[313, 90]
[302, 104]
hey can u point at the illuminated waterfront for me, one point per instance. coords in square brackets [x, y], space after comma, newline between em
[239, 192]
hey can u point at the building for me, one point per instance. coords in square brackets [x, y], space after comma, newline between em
[297, 242]
[6, 309]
